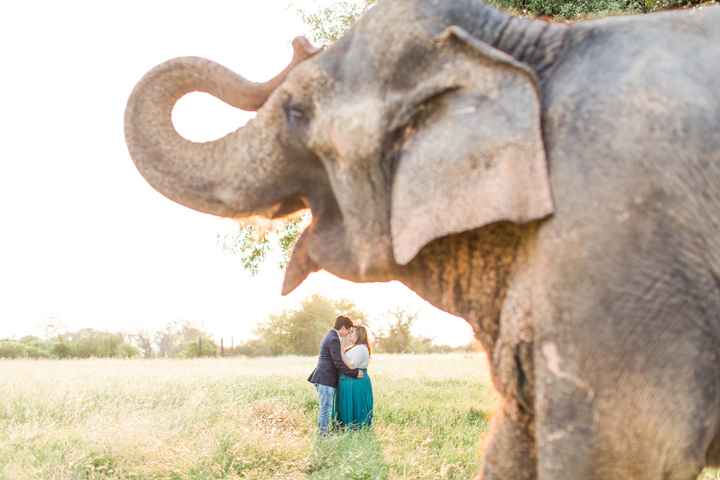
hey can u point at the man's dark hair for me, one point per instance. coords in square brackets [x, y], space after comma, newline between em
[343, 321]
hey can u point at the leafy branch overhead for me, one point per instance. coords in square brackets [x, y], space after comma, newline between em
[329, 23]
[251, 242]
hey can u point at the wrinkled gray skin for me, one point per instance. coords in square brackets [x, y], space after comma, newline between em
[558, 186]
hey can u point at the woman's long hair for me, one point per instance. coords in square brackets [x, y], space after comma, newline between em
[362, 337]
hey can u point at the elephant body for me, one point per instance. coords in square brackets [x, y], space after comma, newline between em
[557, 186]
[627, 337]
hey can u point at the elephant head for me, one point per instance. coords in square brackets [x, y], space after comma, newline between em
[409, 128]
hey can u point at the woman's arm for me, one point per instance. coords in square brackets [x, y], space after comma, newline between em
[336, 357]
[346, 358]
[360, 356]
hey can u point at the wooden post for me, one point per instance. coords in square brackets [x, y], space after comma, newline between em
[222, 347]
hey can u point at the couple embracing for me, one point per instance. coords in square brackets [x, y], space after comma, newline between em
[341, 378]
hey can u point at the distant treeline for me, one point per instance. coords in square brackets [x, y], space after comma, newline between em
[175, 340]
[292, 332]
[82, 344]
[299, 331]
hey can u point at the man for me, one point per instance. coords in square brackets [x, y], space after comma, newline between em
[329, 366]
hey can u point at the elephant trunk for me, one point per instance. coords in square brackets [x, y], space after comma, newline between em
[222, 177]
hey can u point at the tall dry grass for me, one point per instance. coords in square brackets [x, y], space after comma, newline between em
[235, 418]
[238, 418]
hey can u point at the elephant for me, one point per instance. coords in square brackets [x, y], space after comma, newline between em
[556, 185]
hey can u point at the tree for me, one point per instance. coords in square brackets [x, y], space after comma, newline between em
[253, 242]
[61, 350]
[202, 346]
[84, 343]
[350, 310]
[13, 349]
[90, 343]
[299, 331]
[165, 340]
[143, 342]
[398, 337]
[328, 24]
[184, 340]
[35, 347]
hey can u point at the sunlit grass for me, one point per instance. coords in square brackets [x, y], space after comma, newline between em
[236, 418]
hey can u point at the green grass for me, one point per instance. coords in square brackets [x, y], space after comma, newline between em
[238, 418]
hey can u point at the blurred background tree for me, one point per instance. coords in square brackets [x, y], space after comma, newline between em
[183, 339]
[295, 331]
[84, 343]
[177, 339]
[201, 346]
[142, 340]
[398, 337]
[299, 331]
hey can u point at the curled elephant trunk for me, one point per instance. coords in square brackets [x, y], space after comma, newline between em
[222, 177]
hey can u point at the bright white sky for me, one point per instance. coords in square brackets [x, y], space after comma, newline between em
[85, 241]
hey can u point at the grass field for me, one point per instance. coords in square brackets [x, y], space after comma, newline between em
[238, 418]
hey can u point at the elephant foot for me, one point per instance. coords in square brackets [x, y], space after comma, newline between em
[510, 453]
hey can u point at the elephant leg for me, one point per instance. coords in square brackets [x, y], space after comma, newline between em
[625, 356]
[635, 428]
[564, 435]
[575, 451]
[510, 453]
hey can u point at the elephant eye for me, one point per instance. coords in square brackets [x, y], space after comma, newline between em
[296, 115]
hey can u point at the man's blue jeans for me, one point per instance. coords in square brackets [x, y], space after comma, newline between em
[327, 397]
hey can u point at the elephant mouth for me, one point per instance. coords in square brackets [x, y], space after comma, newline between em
[287, 206]
[300, 265]
[309, 252]
[327, 244]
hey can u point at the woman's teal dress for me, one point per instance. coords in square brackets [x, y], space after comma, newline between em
[354, 401]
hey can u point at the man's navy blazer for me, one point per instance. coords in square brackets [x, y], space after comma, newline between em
[330, 362]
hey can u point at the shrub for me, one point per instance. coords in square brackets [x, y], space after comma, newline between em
[11, 349]
[23, 349]
[202, 347]
[61, 350]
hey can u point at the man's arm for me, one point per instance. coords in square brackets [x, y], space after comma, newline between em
[336, 357]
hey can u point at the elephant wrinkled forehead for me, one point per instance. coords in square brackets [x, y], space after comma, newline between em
[390, 42]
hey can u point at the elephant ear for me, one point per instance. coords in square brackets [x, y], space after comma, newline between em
[474, 155]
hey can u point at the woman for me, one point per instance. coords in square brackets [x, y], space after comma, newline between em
[354, 400]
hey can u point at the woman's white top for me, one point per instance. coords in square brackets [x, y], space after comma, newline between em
[357, 357]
